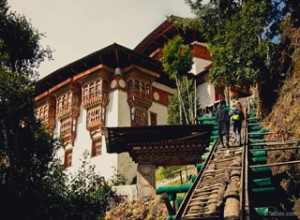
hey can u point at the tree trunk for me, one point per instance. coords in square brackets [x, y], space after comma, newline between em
[181, 103]
[191, 113]
[180, 111]
[227, 99]
[258, 104]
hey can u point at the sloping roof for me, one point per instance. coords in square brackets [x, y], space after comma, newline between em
[112, 56]
[165, 31]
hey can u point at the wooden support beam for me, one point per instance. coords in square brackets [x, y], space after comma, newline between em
[117, 56]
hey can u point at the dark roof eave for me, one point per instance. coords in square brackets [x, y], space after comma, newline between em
[118, 139]
[80, 64]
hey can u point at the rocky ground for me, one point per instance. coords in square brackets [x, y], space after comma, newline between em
[153, 209]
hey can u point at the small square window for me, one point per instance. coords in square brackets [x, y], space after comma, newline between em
[68, 158]
[153, 118]
[96, 148]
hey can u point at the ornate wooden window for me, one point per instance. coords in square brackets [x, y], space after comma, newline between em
[85, 93]
[105, 87]
[130, 84]
[94, 92]
[96, 147]
[42, 113]
[142, 87]
[45, 112]
[137, 85]
[139, 97]
[95, 117]
[148, 89]
[132, 114]
[67, 104]
[68, 129]
[153, 119]
[140, 91]
[95, 89]
[67, 111]
[68, 158]
[139, 116]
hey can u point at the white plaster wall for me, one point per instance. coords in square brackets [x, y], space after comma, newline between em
[161, 111]
[61, 152]
[82, 142]
[206, 94]
[199, 65]
[125, 165]
[212, 93]
[112, 109]
[118, 115]
[105, 163]
[123, 109]
[163, 87]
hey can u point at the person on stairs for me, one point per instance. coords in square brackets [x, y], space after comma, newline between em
[237, 117]
[236, 103]
[223, 119]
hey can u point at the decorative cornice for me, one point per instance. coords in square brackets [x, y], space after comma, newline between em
[140, 70]
[100, 70]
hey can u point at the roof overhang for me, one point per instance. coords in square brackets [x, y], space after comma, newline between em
[164, 32]
[160, 145]
[112, 56]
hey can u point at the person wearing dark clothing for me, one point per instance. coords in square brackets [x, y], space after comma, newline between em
[223, 119]
[237, 118]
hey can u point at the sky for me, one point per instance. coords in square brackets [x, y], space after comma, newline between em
[76, 28]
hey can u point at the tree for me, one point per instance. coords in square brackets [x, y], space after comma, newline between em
[240, 35]
[25, 147]
[19, 42]
[87, 193]
[177, 62]
[33, 183]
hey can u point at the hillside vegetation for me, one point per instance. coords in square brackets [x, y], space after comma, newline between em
[285, 119]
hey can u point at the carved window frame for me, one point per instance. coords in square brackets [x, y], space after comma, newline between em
[68, 157]
[96, 147]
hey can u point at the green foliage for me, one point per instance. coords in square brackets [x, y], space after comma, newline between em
[187, 89]
[117, 179]
[34, 184]
[173, 113]
[176, 58]
[177, 62]
[87, 194]
[20, 49]
[241, 40]
[238, 50]
[166, 172]
[25, 147]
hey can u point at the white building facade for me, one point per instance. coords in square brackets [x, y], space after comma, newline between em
[114, 87]
[80, 104]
